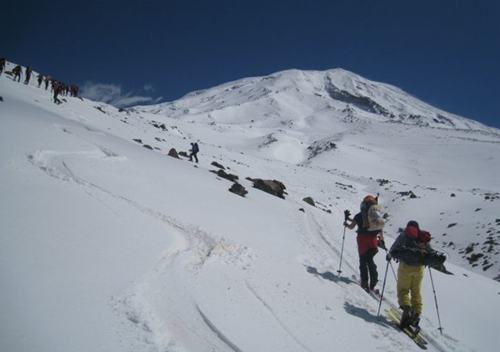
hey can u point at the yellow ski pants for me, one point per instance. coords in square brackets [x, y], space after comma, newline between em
[410, 280]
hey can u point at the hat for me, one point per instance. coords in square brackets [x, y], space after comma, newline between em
[413, 223]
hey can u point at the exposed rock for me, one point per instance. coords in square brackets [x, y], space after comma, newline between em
[238, 189]
[310, 201]
[173, 153]
[216, 164]
[225, 175]
[184, 154]
[147, 146]
[100, 108]
[137, 140]
[383, 182]
[320, 147]
[274, 187]
[361, 102]
[159, 126]
[408, 194]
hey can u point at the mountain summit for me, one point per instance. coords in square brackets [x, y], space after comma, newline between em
[295, 95]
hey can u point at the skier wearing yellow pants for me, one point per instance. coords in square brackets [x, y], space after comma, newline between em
[410, 271]
[410, 280]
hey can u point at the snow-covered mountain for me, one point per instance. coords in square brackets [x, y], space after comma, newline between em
[109, 244]
[296, 95]
[339, 122]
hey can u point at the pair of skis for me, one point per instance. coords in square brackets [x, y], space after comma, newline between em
[394, 316]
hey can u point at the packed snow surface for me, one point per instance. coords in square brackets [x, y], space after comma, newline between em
[109, 244]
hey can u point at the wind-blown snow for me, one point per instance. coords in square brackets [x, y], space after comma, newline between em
[110, 246]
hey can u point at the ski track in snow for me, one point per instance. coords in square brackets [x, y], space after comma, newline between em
[277, 318]
[143, 302]
[160, 315]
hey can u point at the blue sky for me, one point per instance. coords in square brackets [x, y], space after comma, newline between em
[444, 52]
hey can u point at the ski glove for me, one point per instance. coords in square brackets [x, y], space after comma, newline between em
[347, 214]
[388, 257]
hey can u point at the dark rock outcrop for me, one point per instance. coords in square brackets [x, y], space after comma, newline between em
[173, 153]
[274, 187]
[238, 189]
[225, 175]
[216, 164]
[310, 201]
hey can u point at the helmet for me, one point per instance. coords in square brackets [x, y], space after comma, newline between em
[370, 199]
[367, 200]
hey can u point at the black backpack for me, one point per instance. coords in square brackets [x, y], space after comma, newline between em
[416, 251]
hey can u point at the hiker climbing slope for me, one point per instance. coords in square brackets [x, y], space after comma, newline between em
[17, 73]
[370, 224]
[413, 250]
[194, 151]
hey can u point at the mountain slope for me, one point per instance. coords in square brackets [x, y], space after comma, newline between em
[294, 94]
[340, 123]
[110, 246]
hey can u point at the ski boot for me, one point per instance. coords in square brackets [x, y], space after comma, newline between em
[405, 317]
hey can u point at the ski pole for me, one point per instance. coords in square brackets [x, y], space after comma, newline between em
[347, 213]
[435, 300]
[341, 252]
[383, 288]
[394, 273]
[387, 252]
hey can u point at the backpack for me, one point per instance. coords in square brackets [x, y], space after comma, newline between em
[371, 212]
[416, 250]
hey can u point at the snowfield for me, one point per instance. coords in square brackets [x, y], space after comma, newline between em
[109, 244]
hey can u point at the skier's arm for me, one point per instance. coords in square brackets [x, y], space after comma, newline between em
[381, 235]
[397, 243]
[350, 225]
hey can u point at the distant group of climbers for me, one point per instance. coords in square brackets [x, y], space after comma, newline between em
[56, 87]
[411, 249]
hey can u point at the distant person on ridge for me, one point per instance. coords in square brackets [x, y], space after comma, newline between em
[370, 224]
[194, 151]
[40, 80]
[28, 71]
[2, 65]
[58, 89]
[74, 90]
[47, 81]
[410, 272]
[17, 73]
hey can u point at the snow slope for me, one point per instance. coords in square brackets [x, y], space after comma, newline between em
[109, 246]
